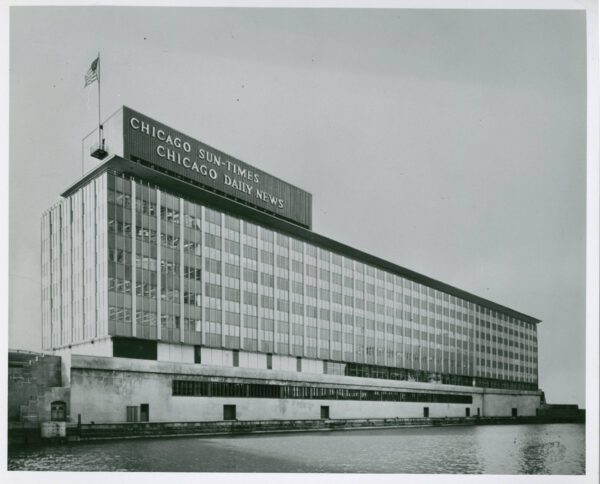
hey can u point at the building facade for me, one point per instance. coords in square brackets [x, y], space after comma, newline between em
[198, 280]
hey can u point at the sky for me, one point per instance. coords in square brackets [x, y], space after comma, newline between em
[452, 143]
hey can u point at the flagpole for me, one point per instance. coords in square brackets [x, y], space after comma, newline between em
[99, 119]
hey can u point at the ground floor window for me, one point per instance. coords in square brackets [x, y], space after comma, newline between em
[325, 411]
[229, 412]
[58, 411]
[132, 413]
[426, 412]
[144, 412]
[203, 388]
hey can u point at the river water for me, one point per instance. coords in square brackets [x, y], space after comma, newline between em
[486, 449]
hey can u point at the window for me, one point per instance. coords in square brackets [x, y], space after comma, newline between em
[201, 388]
[426, 412]
[325, 411]
[134, 348]
[269, 361]
[298, 364]
[144, 412]
[132, 413]
[229, 412]
[197, 354]
[236, 358]
[58, 411]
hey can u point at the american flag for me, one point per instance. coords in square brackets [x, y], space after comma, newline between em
[92, 74]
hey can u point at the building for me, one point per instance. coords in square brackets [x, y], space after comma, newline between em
[181, 284]
[35, 391]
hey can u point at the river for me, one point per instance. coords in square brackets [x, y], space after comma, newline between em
[485, 449]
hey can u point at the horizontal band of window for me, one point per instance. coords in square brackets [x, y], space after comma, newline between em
[254, 390]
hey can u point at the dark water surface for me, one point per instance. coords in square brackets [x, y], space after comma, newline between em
[486, 449]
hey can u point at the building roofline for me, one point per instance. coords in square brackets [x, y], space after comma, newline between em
[179, 185]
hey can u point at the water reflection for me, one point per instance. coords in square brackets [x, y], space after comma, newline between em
[537, 457]
[542, 452]
[510, 449]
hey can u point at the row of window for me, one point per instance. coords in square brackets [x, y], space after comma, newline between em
[263, 390]
[339, 277]
[393, 373]
[266, 235]
[311, 270]
[233, 271]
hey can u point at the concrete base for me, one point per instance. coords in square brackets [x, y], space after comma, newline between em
[103, 388]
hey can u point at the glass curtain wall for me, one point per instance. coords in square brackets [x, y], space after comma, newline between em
[200, 276]
[146, 251]
[249, 289]
[192, 272]
[266, 308]
[212, 278]
[231, 281]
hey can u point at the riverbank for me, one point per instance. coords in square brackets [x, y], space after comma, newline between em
[25, 435]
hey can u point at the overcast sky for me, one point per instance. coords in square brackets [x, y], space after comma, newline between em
[449, 142]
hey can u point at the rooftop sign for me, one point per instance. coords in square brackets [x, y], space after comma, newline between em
[160, 145]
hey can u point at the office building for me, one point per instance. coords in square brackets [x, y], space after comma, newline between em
[182, 284]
